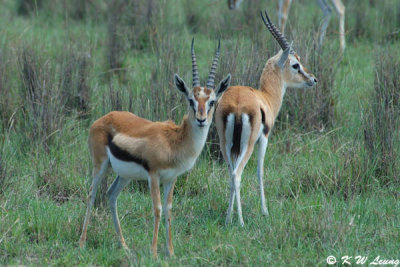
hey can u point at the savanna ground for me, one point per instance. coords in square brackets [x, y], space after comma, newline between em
[332, 166]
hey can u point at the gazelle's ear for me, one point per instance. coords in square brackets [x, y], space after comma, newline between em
[223, 85]
[282, 60]
[180, 85]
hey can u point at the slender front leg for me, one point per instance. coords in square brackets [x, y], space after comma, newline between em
[325, 22]
[113, 193]
[157, 209]
[168, 193]
[284, 6]
[340, 9]
[263, 142]
[99, 172]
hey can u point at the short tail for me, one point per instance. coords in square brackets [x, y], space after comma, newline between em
[237, 135]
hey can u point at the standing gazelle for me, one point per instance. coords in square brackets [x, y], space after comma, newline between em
[283, 13]
[138, 149]
[284, 7]
[245, 115]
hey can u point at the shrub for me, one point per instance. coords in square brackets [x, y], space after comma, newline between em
[51, 91]
[381, 123]
[42, 108]
[3, 175]
[6, 99]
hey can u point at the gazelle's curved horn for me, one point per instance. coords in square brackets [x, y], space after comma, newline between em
[196, 79]
[210, 81]
[279, 37]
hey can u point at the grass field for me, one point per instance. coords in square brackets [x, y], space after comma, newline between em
[332, 169]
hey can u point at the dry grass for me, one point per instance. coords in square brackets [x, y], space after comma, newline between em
[382, 123]
[3, 176]
[6, 102]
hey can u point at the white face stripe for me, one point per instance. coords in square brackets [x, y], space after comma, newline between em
[202, 97]
[301, 71]
[202, 94]
[196, 104]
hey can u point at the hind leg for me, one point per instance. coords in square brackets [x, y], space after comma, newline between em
[231, 198]
[113, 193]
[237, 177]
[232, 187]
[99, 172]
[263, 142]
[226, 146]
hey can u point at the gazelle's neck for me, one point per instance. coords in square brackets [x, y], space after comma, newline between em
[192, 137]
[273, 87]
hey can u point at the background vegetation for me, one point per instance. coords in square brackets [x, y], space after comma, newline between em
[332, 167]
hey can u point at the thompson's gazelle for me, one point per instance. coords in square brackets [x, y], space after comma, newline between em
[245, 116]
[138, 149]
[284, 7]
[283, 13]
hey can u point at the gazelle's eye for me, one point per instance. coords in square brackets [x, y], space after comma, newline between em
[212, 103]
[296, 66]
[191, 102]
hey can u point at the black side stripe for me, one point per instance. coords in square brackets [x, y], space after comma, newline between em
[265, 126]
[124, 155]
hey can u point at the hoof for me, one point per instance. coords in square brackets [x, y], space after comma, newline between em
[265, 212]
[82, 244]
[170, 254]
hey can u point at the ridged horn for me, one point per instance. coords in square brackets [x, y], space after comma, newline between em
[279, 37]
[196, 79]
[211, 77]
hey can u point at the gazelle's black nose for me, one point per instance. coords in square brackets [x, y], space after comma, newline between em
[201, 121]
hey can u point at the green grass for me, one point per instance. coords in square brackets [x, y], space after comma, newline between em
[302, 229]
[322, 195]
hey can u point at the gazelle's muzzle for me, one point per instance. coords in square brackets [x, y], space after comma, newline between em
[201, 117]
[309, 78]
[311, 82]
[201, 122]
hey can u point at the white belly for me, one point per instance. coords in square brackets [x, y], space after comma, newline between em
[127, 169]
[134, 171]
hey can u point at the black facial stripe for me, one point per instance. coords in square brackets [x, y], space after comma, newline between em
[191, 102]
[303, 74]
[124, 155]
[211, 105]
